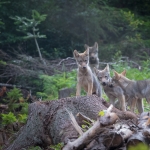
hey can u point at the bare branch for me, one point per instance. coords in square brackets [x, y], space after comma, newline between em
[92, 132]
[74, 123]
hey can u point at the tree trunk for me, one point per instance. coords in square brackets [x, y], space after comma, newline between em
[49, 122]
[38, 48]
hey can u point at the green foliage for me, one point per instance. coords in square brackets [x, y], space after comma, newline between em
[133, 73]
[107, 51]
[2, 23]
[51, 84]
[58, 53]
[8, 118]
[11, 118]
[133, 23]
[129, 41]
[86, 125]
[117, 56]
[2, 62]
[25, 25]
[140, 146]
[105, 97]
[57, 147]
[71, 24]
[101, 113]
[24, 109]
[38, 17]
[15, 101]
[22, 118]
[145, 63]
[13, 96]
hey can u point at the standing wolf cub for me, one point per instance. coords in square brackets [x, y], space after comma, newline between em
[113, 92]
[85, 77]
[134, 90]
[93, 56]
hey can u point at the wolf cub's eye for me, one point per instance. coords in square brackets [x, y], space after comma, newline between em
[85, 60]
[99, 78]
[106, 77]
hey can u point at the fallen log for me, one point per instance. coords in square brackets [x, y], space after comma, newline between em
[49, 123]
[124, 115]
[3, 107]
[142, 135]
[144, 120]
[110, 135]
[108, 119]
[12, 86]
[113, 140]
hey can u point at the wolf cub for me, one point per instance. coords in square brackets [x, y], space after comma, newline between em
[85, 77]
[93, 56]
[113, 92]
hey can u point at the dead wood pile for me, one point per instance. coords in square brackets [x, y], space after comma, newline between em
[52, 122]
[28, 66]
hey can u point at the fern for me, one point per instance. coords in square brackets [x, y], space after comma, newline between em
[52, 84]
[8, 118]
[14, 95]
[57, 147]
[22, 118]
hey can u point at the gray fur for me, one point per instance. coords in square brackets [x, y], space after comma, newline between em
[112, 92]
[93, 56]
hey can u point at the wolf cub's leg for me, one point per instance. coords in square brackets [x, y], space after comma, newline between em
[78, 89]
[111, 99]
[90, 88]
[133, 103]
[121, 97]
[122, 103]
[139, 105]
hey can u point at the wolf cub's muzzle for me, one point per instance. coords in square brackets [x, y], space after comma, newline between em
[84, 66]
[92, 57]
[104, 83]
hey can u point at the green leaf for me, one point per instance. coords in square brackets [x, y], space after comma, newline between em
[101, 113]
[140, 146]
[22, 118]
[57, 147]
[83, 126]
[8, 118]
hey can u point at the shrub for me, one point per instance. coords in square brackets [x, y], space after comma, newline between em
[8, 118]
[52, 84]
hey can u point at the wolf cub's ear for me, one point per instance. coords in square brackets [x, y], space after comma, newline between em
[87, 51]
[107, 68]
[123, 73]
[75, 53]
[96, 45]
[116, 74]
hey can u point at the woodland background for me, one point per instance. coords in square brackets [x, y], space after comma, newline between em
[37, 39]
[121, 28]
[118, 26]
